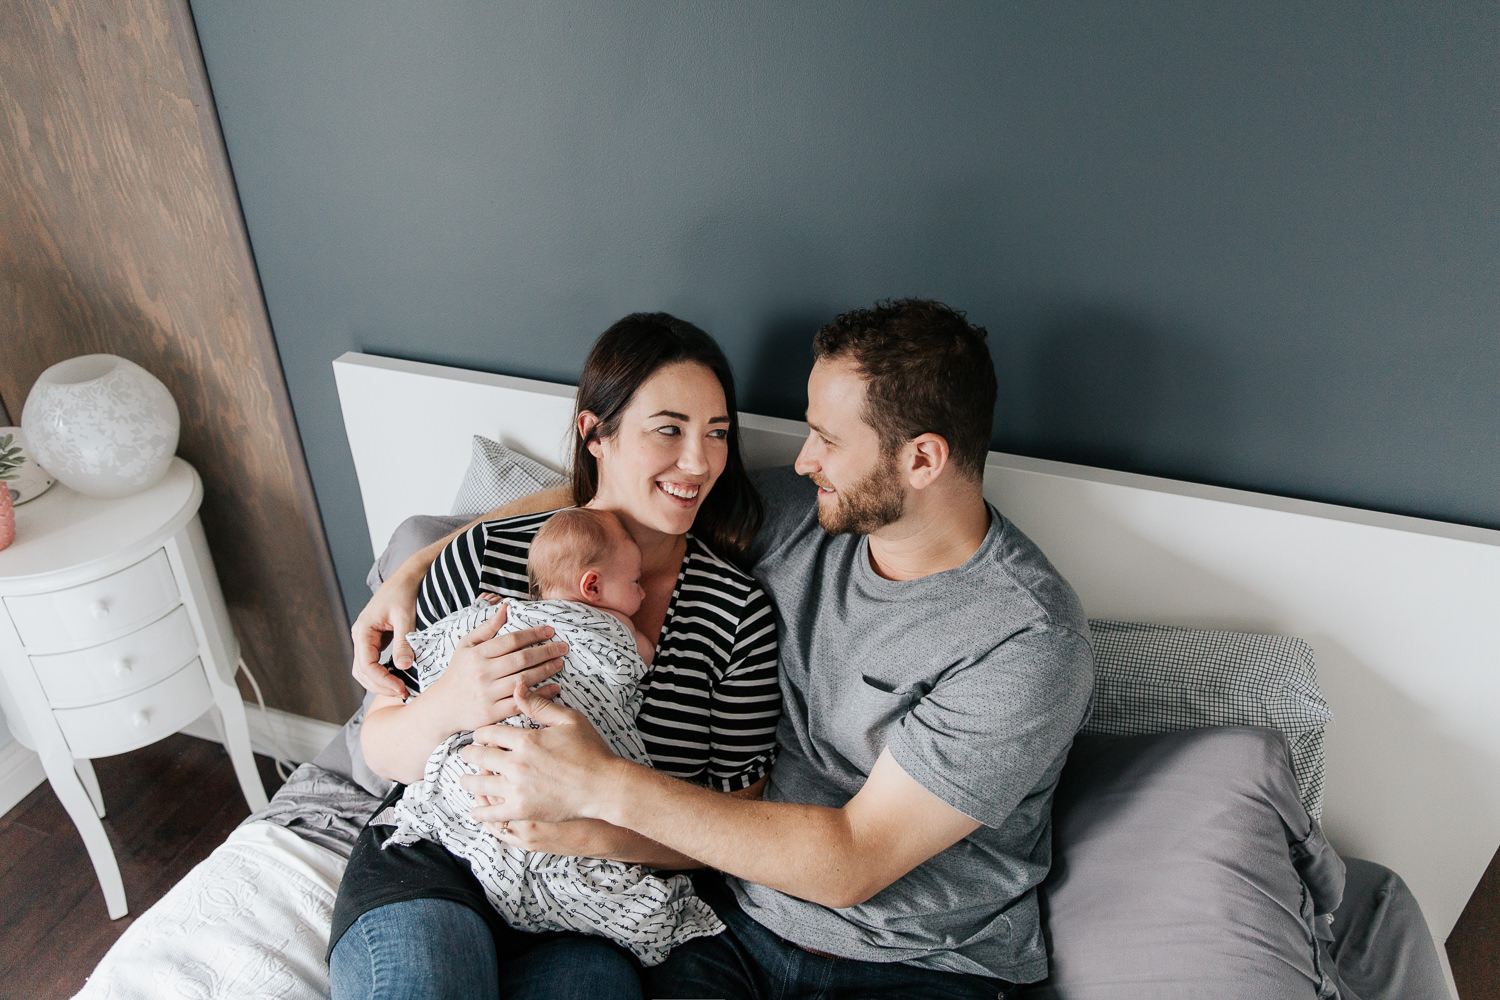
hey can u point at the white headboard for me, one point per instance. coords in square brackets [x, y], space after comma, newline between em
[1401, 612]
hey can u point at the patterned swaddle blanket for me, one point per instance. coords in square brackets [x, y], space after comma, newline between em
[646, 912]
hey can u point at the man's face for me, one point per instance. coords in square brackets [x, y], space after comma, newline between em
[860, 489]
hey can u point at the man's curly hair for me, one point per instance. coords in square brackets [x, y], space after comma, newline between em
[926, 368]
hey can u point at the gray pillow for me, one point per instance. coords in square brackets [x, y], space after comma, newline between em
[1184, 866]
[1380, 940]
[497, 475]
[416, 532]
[1158, 679]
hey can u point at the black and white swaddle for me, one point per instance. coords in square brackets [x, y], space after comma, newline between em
[648, 913]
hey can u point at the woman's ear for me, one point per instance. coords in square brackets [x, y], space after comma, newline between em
[586, 424]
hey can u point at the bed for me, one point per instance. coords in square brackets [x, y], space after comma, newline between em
[1265, 663]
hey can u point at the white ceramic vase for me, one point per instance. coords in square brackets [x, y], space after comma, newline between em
[102, 425]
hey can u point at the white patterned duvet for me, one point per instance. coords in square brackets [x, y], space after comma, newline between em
[250, 921]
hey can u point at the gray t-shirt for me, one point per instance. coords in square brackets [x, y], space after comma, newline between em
[976, 678]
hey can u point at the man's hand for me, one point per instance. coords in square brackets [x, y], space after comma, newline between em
[838, 857]
[549, 775]
[834, 856]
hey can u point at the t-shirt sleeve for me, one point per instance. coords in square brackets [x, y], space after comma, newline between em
[789, 499]
[746, 702]
[452, 582]
[993, 730]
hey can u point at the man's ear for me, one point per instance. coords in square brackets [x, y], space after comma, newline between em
[926, 457]
[588, 584]
[586, 424]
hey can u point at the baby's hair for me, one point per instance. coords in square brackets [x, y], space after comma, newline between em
[572, 540]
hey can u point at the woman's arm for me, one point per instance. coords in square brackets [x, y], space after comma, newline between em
[391, 611]
[475, 690]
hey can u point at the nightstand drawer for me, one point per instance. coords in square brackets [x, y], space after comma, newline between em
[136, 719]
[97, 611]
[99, 673]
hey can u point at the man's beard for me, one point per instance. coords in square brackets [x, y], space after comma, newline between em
[869, 505]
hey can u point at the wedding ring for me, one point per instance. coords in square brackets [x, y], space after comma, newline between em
[505, 827]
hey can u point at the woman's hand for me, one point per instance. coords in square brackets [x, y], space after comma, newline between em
[486, 670]
[390, 613]
[582, 838]
[476, 690]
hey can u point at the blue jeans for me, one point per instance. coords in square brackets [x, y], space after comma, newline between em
[439, 949]
[748, 962]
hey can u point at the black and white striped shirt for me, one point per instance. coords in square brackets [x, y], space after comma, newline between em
[712, 698]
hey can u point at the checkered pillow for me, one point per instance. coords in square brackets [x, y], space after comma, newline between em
[1160, 679]
[497, 476]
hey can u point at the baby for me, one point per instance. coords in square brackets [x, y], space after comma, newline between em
[585, 571]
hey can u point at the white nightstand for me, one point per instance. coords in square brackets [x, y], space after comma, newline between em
[113, 634]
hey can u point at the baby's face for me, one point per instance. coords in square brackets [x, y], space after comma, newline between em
[620, 580]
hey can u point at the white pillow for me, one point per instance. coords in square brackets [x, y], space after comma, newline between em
[498, 475]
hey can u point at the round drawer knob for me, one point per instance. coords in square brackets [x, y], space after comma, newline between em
[122, 667]
[141, 718]
[100, 609]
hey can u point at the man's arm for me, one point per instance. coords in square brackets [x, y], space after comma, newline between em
[593, 838]
[835, 857]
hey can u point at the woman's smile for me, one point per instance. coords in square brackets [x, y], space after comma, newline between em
[686, 492]
[668, 449]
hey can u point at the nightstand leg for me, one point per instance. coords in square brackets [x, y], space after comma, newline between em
[90, 784]
[60, 772]
[231, 711]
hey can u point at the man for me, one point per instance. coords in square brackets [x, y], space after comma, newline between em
[935, 668]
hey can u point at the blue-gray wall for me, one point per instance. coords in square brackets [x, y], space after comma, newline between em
[1248, 244]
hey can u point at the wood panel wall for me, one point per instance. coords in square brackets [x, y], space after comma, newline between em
[120, 232]
[1474, 945]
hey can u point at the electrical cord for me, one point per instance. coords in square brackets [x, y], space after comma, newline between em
[283, 760]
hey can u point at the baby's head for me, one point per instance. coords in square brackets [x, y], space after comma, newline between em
[582, 554]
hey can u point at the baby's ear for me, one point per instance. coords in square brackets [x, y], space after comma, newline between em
[588, 584]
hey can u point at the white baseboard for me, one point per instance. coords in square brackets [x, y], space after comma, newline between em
[20, 772]
[274, 733]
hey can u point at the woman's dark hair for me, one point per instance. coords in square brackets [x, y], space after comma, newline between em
[622, 359]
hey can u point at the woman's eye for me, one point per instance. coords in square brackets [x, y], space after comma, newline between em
[718, 433]
[671, 430]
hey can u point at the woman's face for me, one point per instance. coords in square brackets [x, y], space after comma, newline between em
[669, 447]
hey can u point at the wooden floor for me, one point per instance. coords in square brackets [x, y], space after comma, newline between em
[168, 806]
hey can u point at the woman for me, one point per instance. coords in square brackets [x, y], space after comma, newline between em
[657, 445]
